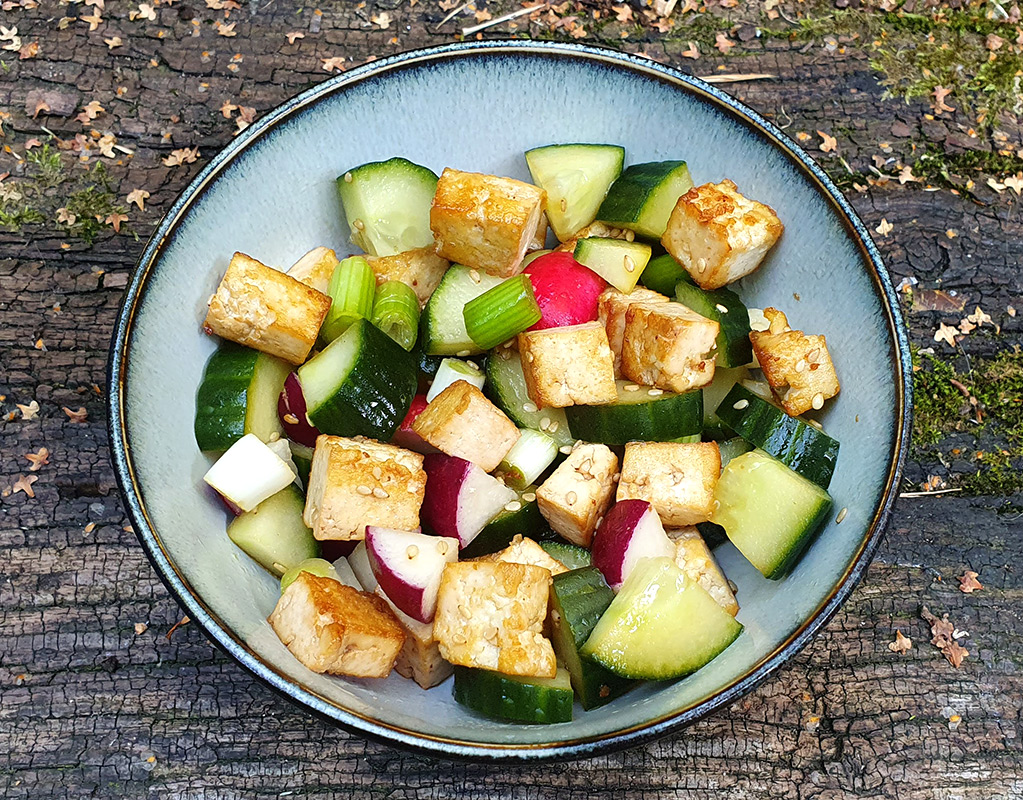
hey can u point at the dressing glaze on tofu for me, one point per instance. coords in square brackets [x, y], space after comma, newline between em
[611, 307]
[577, 494]
[336, 629]
[696, 560]
[262, 308]
[315, 268]
[677, 479]
[420, 659]
[358, 482]
[668, 346]
[719, 235]
[567, 366]
[490, 615]
[421, 269]
[524, 550]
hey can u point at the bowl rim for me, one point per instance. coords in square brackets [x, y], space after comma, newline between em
[440, 746]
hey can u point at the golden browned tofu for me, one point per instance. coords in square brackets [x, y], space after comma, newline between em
[336, 629]
[668, 346]
[420, 659]
[261, 307]
[524, 550]
[577, 494]
[677, 479]
[484, 221]
[595, 230]
[797, 366]
[490, 615]
[571, 365]
[462, 422]
[539, 240]
[421, 269]
[611, 307]
[315, 268]
[358, 482]
[718, 235]
[696, 560]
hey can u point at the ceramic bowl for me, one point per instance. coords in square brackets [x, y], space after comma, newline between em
[477, 107]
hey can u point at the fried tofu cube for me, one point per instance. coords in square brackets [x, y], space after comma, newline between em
[421, 269]
[571, 365]
[420, 659]
[261, 307]
[524, 550]
[358, 482]
[539, 240]
[577, 494]
[696, 560]
[595, 230]
[668, 346]
[490, 615]
[677, 479]
[462, 422]
[718, 235]
[336, 629]
[798, 367]
[611, 307]
[484, 221]
[315, 268]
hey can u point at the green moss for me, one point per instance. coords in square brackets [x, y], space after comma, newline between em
[938, 407]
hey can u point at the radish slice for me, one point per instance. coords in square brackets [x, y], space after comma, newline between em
[408, 567]
[248, 473]
[565, 290]
[460, 497]
[630, 531]
[291, 409]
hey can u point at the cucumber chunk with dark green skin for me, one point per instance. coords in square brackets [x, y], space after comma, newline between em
[526, 520]
[724, 307]
[387, 205]
[661, 625]
[797, 444]
[663, 273]
[510, 697]
[273, 533]
[238, 395]
[578, 599]
[644, 196]
[571, 555]
[362, 384]
[638, 416]
[770, 513]
[506, 387]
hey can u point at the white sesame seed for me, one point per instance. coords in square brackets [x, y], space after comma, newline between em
[599, 520]
[529, 497]
[739, 405]
[553, 427]
[412, 551]
[514, 505]
[564, 204]
[630, 236]
[818, 401]
[631, 387]
[800, 365]
[816, 424]
[463, 353]
[565, 449]
[529, 408]
[529, 357]
[841, 516]
[571, 497]
[359, 225]
[474, 274]
[442, 547]
[378, 473]
[380, 493]
[655, 392]
[813, 354]
[721, 308]
[363, 490]
[630, 265]
[545, 423]
[291, 419]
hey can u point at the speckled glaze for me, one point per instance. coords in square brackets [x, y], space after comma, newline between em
[478, 107]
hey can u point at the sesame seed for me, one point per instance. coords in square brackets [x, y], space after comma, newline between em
[359, 225]
[813, 354]
[564, 204]
[529, 497]
[378, 473]
[655, 392]
[816, 424]
[630, 236]
[571, 497]
[412, 551]
[733, 586]
[463, 353]
[514, 505]
[841, 516]
[363, 490]
[348, 177]
[553, 427]
[631, 387]
[721, 308]
[800, 365]
[818, 401]
[599, 520]
[529, 357]
[545, 423]
[529, 408]
[565, 449]
[630, 265]
[739, 405]
[474, 274]
[442, 547]
[380, 493]
[291, 419]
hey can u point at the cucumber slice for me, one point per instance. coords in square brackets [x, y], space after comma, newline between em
[713, 394]
[452, 370]
[663, 273]
[576, 178]
[387, 205]
[534, 700]
[506, 386]
[361, 384]
[617, 261]
[238, 395]
[571, 555]
[273, 533]
[578, 598]
[732, 448]
[797, 444]
[661, 625]
[302, 457]
[518, 517]
[638, 416]
[769, 512]
[725, 307]
[314, 566]
[442, 324]
[644, 196]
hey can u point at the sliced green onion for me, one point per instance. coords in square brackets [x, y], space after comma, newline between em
[500, 313]
[396, 312]
[452, 370]
[319, 567]
[352, 288]
[529, 457]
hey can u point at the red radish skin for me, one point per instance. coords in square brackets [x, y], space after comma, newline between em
[228, 504]
[291, 410]
[333, 549]
[630, 531]
[565, 290]
[460, 497]
[408, 567]
[408, 438]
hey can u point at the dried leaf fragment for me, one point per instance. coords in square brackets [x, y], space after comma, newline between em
[226, 29]
[138, 197]
[693, 52]
[41, 458]
[885, 227]
[31, 411]
[943, 636]
[24, 484]
[184, 155]
[381, 20]
[78, 416]
[723, 43]
[335, 63]
[178, 624]
[939, 94]
[829, 144]
[946, 333]
[115, 220]
[968, 582]
[293, 35]
[902, 643]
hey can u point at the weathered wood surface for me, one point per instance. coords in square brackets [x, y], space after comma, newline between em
[89, 707]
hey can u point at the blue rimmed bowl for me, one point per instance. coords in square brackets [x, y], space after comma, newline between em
[477, 107]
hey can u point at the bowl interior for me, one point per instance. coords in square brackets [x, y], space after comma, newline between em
[274, 198]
